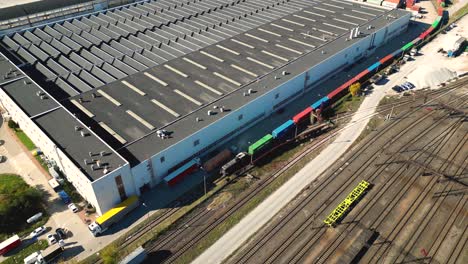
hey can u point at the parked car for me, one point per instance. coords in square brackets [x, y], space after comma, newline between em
[60, 233]
[397, 88]
[409, 85]
[34, 218]
[73, 207]
[51, 238]
[37, 232]
[64, 196]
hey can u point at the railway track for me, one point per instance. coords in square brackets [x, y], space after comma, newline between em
[200, 217]
[251, 252]
[384, 214]
[168, 240]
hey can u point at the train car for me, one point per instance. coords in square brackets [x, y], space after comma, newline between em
[385, 61]
[216, 161]
[374, 67]
[284, 131]
[239, 161]
[303, 116]
[261, 145]
[320, 104]
[186, 169]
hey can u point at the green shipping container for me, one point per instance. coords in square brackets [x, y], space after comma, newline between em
[407, 46]
[260, 143]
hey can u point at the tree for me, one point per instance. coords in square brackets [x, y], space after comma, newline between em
[109, 254]
[18, 202]
[12, 124]
[354, 89]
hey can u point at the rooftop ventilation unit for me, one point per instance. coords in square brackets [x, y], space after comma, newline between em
[83, 134]
[249, 91]
[106, 170]
[93, 95]
[215, 107]
[198, 119]
[210, 112]
[277, 77]
[90, 154]
[77, 128]
[92, 167]
[285, 73]
[102, 153]
[221, 109]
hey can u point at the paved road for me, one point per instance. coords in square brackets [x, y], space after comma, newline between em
[260, 216]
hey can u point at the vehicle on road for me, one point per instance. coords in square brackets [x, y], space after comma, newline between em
[54, 184]
[9, 244]
[44, 256]
[60, 233]
[414, 52]
[64, 196]
[38, 231]
[102, 223]
[397, 88]
[51, 239]
[73, 207]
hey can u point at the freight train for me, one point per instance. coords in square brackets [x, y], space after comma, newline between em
[290, 128]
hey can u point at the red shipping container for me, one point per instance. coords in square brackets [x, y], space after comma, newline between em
[297, 118]
[440, 11]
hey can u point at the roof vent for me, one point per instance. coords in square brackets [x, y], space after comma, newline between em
[98, 163]
[92, 167]
[244, 94]
[90, 154]
[106, 170]
[215, 107]
[93, 95]
[210, 112]
[324, 52]
[249, 91]
[285, 73]
[198, 119]
[80, 99]
[77, 128]
[277, 77]
[39, 93]
[43, 97]
[85, 162]
[83, 134]
[221, 109]
[102, 153]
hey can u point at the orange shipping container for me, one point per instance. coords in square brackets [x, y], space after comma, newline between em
[217, 160]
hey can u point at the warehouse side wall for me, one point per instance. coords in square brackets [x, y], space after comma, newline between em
[262, 106]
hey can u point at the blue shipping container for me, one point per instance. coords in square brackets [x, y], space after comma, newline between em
[320, 102]
[279, 131]
[64, 196]
[374, 66]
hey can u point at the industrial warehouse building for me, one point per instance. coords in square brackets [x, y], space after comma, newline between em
[121, 98]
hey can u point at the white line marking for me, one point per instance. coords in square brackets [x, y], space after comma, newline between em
[301, 42]
[110, 98]
[140, 92]
[324, 9]
[244, 70]
[227, 79]
[211, 56]
[274, 55]
[228, 50]
[154, 78]
[112, 132]
[194, 63]
[293, 22]
[312, 13]
[169, 110]
[278, 26]
[305, 18]
[188, 97]
[255, 37]
[242, 43]
[206, 86]
[269, 32]
[82, 108]
[141, 120]
[287, 48]
[176, 70]
[261, 63]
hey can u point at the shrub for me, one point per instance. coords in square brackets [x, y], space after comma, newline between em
[12, 124]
